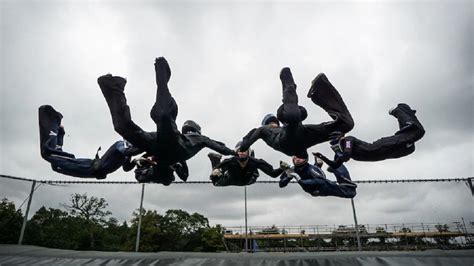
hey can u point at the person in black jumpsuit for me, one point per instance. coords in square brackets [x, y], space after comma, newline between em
[241, 170]
[167, 144]
[294, 138]
[146, 172]
[402, 143]
[312, 180]
[51, 139]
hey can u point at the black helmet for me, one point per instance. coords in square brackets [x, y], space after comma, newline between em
[249, 151]
[190, 126]
[237, 146]
[270, 118]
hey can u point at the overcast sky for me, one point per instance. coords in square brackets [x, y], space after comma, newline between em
[225, 60]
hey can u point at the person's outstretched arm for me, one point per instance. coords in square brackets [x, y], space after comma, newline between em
[333, 164]
[284, 179]
[250, 138]
[268, 168]
[340, 157]
[217, 146]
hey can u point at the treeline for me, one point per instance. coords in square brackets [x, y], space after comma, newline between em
[84, 223]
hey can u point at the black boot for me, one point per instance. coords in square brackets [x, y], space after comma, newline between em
[108, 82]
[215, 159]
[290, 112]
[286, 78]
[407, 121]
[162, 70]
[323, 94]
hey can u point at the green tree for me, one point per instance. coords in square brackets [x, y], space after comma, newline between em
[92, 210]
[115, 236]
[151, 236]
[212, 239]
[57, 229]
[182, 231]
[10, 222]
[177, 230]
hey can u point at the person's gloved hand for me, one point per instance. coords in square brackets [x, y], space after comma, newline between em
[295, 176]
[318, 155]
[284, 165]
[216, 172]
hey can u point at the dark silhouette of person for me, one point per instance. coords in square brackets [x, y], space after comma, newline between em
[51, 139]
[241, 169]
[294, 137]
[401, 144]
[147, 170]
[312, 179]
[167, 144]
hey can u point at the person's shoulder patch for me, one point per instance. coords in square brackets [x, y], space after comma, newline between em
[348, 144]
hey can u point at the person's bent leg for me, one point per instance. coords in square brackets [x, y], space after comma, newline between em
[51, 132]
[49, 123]
[112, 159]
[407, 122]
[391, 147]
[290, 112]
[325, 95]
[112, 88]
[80, 167]
[343, 177]
[333, 189]
[215, 159]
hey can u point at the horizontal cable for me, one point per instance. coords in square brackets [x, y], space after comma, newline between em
[53, 182]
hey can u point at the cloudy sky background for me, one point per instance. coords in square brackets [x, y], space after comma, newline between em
[225, 60]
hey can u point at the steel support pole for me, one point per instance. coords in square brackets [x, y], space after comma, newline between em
[246, 234]
[356, 225]
[469, 183]
[25, 219]
[137, 244]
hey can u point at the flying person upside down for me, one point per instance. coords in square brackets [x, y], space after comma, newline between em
[52, 137]
[313, 180]
[241, 169]
[148, 171]
[294, 138]
[167, 144]
[402, 143]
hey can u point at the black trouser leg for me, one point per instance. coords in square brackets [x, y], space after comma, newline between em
[112, 88]
[405, 115]
[391, 147]
[49, 120]
[214, 161]
[112, 159]
[165, 109]
[290, 112]
[323, 94]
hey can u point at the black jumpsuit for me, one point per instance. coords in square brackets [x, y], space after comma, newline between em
[294, 138]
[167, 144]
[402, 143]
[234, 175]
[51, 138]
